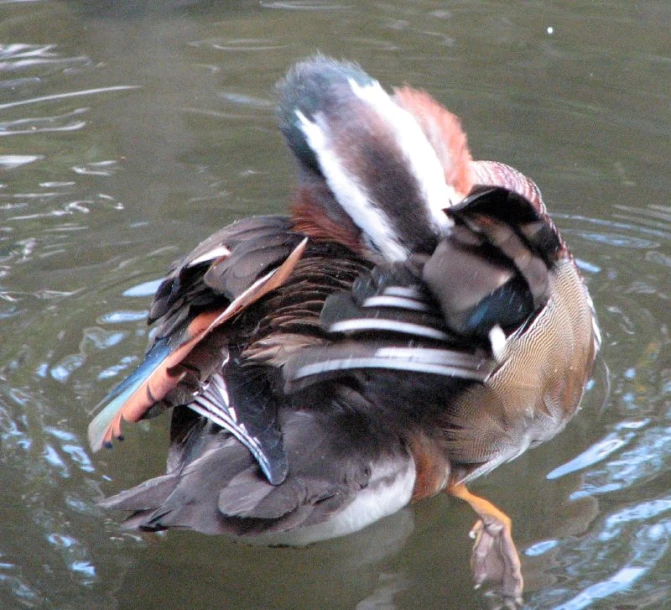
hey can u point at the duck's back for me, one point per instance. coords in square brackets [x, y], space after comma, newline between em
[403, 331]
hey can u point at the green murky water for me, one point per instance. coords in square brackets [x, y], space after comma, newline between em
[130, 130]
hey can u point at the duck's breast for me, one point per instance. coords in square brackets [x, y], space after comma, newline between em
[537, 388]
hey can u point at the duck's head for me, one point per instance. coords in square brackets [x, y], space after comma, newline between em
[375, 169]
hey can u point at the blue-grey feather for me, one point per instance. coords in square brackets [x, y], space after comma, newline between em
[309, 86]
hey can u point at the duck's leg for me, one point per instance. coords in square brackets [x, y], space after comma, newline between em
[495, 557]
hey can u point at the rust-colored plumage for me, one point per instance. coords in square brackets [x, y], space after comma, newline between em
[443, 130]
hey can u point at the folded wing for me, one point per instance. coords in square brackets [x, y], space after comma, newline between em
[447, 316]
[223, 276]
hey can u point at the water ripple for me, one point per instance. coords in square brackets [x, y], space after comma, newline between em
[596, 453]
[238, 45]
[18, 56]
[14, 161]
[303, 5]
[69, 121]
[66, 95]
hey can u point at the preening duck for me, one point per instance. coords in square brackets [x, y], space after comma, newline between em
[414, 323]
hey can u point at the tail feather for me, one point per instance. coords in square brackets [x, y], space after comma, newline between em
[216, 486]
[143, 497]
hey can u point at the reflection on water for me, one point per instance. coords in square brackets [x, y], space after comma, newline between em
[130, 130]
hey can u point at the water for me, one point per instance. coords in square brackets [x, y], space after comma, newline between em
[130, 130]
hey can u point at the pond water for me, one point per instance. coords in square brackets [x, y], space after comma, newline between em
[131, 130]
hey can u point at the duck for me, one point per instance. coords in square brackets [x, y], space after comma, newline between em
[415, 322]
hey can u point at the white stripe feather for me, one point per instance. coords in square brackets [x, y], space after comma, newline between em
[362, 324]
[420, 156]
[216, 252]
[353, 197]
[394, 364]
[397, 302]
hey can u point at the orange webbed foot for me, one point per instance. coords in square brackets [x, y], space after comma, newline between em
[495, 558]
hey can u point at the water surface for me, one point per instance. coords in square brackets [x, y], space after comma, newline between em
[131, 130]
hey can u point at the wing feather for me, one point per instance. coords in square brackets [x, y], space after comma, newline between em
[154, 378]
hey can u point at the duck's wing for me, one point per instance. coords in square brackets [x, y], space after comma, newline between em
[224, 275]
[447, 315]
[540, 321]
[492, 271]
[388, 321]
[495, 326]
